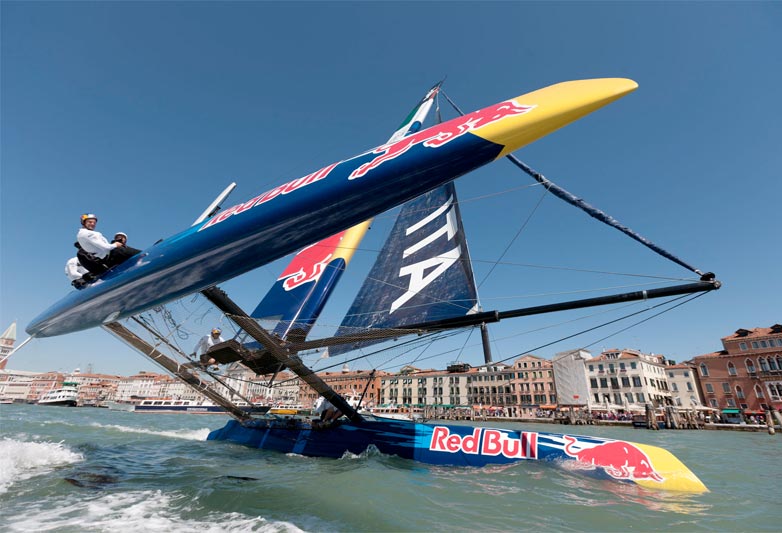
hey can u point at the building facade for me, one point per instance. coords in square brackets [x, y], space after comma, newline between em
[745, 377]
[627, 379]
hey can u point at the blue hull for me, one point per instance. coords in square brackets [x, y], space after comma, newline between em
[471, 446]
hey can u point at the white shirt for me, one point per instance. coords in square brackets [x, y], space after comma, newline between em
[73, 269]
[94, 242]
[207, 342]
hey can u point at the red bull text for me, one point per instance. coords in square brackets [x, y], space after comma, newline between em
[268, 195]
[439, 135]
[484, 441]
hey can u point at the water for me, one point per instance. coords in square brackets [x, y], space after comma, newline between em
[85, 469]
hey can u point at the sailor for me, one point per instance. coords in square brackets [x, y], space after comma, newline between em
[93, 242]
[206, 342]
[120, 237]
[78, 275]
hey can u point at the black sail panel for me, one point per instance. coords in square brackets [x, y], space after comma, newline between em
[423, 272]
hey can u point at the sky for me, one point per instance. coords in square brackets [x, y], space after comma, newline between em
[142, 112]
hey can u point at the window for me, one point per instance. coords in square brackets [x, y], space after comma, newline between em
[773, 364]
[593, 382]
[743, 345]
[731, 402]
[732, 369]
[625, 381]
[689, 385]
[709, 388]
[726, 388]
[758, 391]
[713, 402]
[629, 396]
[640, 397]
[674, 387]
[670, 374]
[603, 383]
[763, 364]
[704, 370]
[591, 368]
[636, 381]
[755, 344]
[750, 366]
[739, 392]
[633, 365]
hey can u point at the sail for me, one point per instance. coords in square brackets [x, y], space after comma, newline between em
[423, 272]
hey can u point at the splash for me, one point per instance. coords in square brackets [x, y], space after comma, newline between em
[21, 460]
[140, 511]
[189, 434]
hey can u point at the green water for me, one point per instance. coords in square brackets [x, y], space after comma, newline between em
[83, 469]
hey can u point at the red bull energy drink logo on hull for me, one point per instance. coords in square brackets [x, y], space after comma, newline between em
[439, 135]
[308, 265]
[484, 441]
[619, 459]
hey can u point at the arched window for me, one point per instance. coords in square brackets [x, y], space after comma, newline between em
[732, 369]
[773, 364]
[779, 362]
[704, 370]
[750, 364]
[739, 392]
[759, 392]
[763, 364]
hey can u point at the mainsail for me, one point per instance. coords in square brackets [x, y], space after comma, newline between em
[423, 272]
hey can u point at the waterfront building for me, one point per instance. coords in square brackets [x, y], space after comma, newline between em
[532, 384]
[682, 382]
[490, 389]
[745, 377]
[138, 386]
[93, 388]
[7, 340]
[347, 383]
[15, 384]
[627, 380]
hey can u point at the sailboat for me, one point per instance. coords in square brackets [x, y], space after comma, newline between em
[152, 301]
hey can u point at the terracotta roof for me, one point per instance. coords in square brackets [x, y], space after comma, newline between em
[754, 332]
[712, 354]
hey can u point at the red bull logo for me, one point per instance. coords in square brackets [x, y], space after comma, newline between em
[443, 133]
[483, 441]
[308, 265]
[620, 459]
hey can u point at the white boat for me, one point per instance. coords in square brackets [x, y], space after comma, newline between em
[177, 406]
[67, 395]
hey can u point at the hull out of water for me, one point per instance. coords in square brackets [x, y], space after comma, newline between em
[467, 446]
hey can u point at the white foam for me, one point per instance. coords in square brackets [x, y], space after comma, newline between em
[22, 460]
[142, 512]
[186, 434]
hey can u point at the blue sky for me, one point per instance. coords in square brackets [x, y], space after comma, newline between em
[143, 111]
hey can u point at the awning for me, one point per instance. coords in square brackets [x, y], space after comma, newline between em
[552, 406]
[731, 411]
[751, 412]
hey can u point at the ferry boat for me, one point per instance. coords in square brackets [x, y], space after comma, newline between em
[67, 395]
[178, 406]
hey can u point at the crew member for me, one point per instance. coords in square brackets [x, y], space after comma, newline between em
[93, 242]
[206, 342]
[78, 275]
[120, 237]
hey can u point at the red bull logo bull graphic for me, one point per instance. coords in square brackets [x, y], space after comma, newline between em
[619, 459]
[308, 265]
[439, 135]
[268, 195]
[484, 441]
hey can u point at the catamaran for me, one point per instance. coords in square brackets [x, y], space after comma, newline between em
[431, 291]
